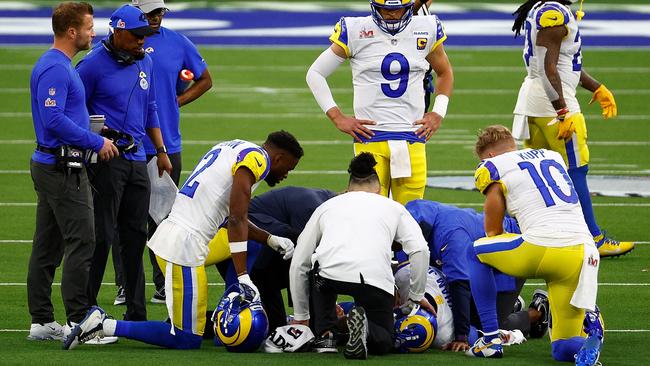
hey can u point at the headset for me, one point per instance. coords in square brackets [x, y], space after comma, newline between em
[122, 57]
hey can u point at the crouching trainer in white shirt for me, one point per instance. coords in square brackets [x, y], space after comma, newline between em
[345, 248]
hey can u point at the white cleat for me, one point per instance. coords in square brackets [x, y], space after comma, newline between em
[45, 332]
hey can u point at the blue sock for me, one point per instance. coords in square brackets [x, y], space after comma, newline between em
[473, 335]
[579, 178]
[157, 333]
[564, 350]
[484, 291]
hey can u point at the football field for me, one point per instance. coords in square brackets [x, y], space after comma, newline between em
[259, 90]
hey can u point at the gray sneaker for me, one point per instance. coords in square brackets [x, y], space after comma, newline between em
[45, 331]
[158, 297]
[357, 347]
[89, 328]
[120, 298]
[325, 343]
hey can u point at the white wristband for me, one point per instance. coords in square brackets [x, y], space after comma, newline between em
[238, 246]
[440, 105]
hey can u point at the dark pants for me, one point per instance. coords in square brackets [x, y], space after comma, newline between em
[158, 276]
[121, 201]
[65, 230]
[270, 274]
[377, 303]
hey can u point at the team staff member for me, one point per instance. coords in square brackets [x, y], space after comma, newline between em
[346, 249]
[282, 212]
[171, 52]
[118, 81]
[390, 51]
[64, 212]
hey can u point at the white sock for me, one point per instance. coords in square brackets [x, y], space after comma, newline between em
[109, 327]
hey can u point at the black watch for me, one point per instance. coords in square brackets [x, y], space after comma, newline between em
[162, 149]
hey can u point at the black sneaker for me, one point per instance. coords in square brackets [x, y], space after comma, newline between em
[120, 298]
[158, 296]
[357, 347]
[325, 343]
[540, 303]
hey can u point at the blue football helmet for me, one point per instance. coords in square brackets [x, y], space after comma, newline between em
[395, 26]
[416, 331]
[240, 324]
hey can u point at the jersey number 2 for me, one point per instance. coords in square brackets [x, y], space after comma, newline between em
[190, 186]
[402, 75]
[546, 181]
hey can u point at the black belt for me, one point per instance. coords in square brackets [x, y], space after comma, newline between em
[48, 150]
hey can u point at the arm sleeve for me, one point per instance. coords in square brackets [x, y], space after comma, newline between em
[301, 265]
[152, 107]
[317, 75]
[409, 235]
[461, 298]
[52, 91]
[193, 60]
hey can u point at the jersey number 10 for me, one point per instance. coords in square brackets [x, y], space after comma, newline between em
[546, 181]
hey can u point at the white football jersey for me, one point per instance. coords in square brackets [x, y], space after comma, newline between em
[202, 204]
[532, 100]
[388, 71]
[437, 289]
[539, 194]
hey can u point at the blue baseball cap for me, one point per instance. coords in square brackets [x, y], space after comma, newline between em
[132, 19]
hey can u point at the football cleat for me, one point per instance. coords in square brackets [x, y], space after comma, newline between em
[520, 304]
[594, 325]
[89, 328]
[608, 247]
[486, 349]
[357, 346]
[540, 303]
[45, 331]
[590, 352]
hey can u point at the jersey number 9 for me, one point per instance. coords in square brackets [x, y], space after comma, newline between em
[402, 75]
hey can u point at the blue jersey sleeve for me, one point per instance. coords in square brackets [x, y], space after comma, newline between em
[52, 94]
[193, 60]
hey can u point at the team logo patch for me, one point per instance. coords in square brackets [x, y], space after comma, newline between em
[120, 24]
[49, 102]
[592, 261]
[149, 50]
[144, 84]
[366, 33]
[422, 43]
[51, 91]
[142, 74]
[393, 41]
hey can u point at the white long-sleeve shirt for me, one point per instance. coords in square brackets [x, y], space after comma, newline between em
[350, 236]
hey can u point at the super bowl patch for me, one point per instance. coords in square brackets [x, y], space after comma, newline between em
[49, 102]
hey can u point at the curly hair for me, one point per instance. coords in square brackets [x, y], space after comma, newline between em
[285, 141]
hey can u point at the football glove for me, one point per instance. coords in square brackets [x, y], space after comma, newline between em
[606, 100]
[409, 307]
[248, 289]
[281, 245]
[567, 124]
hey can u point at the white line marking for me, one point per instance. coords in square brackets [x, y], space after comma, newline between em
[430, 172]
[599, 284]
[276, 116]
[103, 284]
[449, 137]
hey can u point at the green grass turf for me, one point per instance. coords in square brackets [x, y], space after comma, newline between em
[485, 92]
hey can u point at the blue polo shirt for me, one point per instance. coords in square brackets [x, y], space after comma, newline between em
[59, 106]
[171, 52]
[125, 94]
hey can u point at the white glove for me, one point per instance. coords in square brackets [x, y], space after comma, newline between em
[248, 288]
[281, 245]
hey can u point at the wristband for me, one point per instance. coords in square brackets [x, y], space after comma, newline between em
[238, 246]
[440, 105]
[162, 149]
[562, 112]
